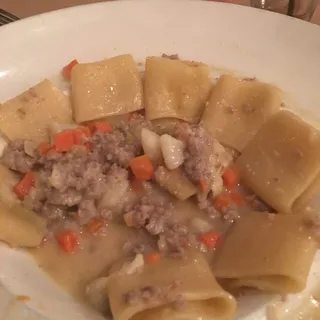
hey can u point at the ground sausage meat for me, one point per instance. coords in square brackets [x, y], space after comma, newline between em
[204, 157]
[155, 216]
[74, 183]
[150, 214]
[16, 158]
[154, 295]
[116, 147]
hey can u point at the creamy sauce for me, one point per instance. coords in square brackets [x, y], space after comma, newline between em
[96, 254]
[92, 259]
[307, 309]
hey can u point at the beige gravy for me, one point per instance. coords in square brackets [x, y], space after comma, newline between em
[96, 254]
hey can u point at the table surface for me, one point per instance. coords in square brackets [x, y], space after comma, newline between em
[26, 8]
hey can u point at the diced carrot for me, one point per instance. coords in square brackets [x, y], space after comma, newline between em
[52, 151]
[152, 257]
[142, 167]
[23, 298]
[230, 178]
[225, 199]
[44, 147]
[94, 225]
[101, 126]
[23, 187]
[210, 239]
[136, 184]
[237, 198]
[67, 240]
[222, 200]
[66, 71]
[64, 140]
[203, 185]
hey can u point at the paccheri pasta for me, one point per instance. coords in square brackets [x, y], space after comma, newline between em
[160, 195]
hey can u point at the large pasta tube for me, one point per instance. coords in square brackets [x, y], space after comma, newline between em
[282, 160]
[310, 199]
[176, 89]
[266, 251]
[237, 109]
[195, 286]
[106, 88]
[20, 227]
[28, 115]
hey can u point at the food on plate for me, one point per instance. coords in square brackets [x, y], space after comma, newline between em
[106, 88]
[281, 161]
[21, 227]
[176, 89]
[160, 198]
[167, 289]
[269, 263]
[28, 115]
[237, 108]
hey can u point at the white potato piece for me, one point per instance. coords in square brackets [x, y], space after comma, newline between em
[237, 109]
[175, 182]
[151, 145]
[176, 89]
[28, 115]
[106, 88]
[172, 151]
[281, 161]
[200, 225]
[20, 227]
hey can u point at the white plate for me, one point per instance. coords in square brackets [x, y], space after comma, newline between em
[274, 48]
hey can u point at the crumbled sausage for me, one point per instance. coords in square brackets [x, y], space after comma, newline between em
[116, 146]
[155, 294]
[150, 215]
[174, 239]
[77, 178]
[204, 157]
[15, 157]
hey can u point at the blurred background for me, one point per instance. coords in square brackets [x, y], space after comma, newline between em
[25, 8]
